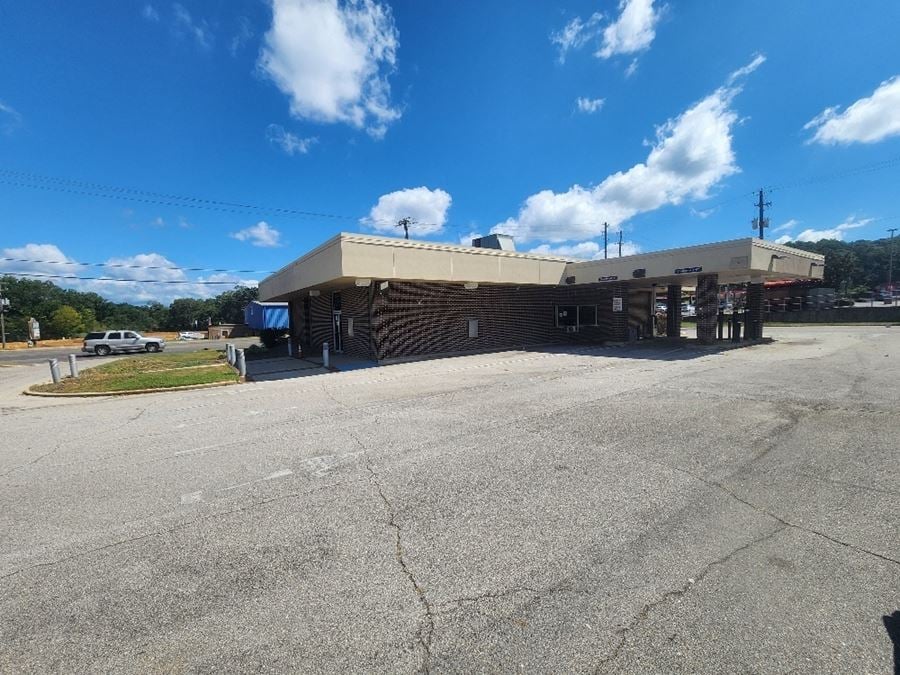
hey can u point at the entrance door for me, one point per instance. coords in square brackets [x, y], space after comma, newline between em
[336, 332]
[336, 335]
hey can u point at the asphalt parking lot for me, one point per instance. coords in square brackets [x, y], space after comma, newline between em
[601, 510]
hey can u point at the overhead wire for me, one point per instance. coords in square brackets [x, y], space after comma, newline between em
[38, 275]
[136, 267]
[73, 186]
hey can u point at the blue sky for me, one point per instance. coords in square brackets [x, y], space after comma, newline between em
[540, 119]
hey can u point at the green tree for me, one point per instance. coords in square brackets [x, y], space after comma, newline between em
[230, 304]
[65, 322]
[88, 319]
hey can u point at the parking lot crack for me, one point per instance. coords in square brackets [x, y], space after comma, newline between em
[645, 611]
[780, 519]
[34, 461]
[168, 530]
[455, 603]
[426, 630]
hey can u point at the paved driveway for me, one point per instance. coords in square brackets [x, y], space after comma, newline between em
[611, 510]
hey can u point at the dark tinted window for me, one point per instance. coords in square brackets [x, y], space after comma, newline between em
[567, 315]
[587, 315]
[94, 336]
[115, 336]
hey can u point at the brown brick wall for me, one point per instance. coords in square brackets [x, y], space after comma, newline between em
[416, 319]
[707, 307]
[354, 305]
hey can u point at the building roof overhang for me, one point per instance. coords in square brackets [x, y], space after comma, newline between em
[357, 259]
[735, 261]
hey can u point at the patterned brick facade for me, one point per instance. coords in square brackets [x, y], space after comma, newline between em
[417, 319]
[707, 307]
[754, 311]
[673, 310]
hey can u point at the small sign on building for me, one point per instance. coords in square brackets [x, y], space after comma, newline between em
[617, 304]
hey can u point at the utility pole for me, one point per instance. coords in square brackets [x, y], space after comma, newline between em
[761, 222]
[405, 223]
[620, 243]
[605, 232]
[891, 266]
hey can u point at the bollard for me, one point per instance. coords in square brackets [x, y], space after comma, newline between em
[73, 365]
[229, 353]
[54, 370]
[241, 363]
[325, 356]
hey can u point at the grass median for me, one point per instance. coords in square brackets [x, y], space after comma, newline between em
[153, 371]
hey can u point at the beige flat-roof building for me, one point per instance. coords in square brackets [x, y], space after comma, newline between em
[383, 298]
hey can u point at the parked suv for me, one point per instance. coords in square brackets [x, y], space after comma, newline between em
[110, 341]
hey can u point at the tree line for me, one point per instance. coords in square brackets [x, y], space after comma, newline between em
[63, 312]
[853, 268]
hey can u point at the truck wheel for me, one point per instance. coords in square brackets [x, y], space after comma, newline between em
[152, 347]
[102, 350]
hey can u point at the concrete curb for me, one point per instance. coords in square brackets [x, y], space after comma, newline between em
[127, 392]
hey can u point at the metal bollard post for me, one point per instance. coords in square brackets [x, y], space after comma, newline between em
[241, 363]
[325, 355]
[229, 353]
[54, 370]
[73, 365]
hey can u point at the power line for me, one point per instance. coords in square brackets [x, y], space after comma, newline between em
[135, 267]
[133, 281]
[837, 175]
[73, 186]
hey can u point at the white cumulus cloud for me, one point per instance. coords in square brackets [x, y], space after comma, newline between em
[428, 208]
[868, 120]
[290, 143]
[633, 31]
[261, 234]
[576, 34]
[133, 279]
[587, 250]
[589, 105]
[836, 232]
[692, 153]
[332, 59]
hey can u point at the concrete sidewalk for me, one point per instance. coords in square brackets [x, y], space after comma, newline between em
[281, 368]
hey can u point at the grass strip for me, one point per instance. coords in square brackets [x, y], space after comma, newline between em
[158, 379]
[155, 362]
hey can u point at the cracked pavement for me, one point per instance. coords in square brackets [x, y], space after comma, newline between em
[601, 510]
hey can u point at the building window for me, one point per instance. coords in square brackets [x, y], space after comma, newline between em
[576, 315]
[587, 315]
[566, 315]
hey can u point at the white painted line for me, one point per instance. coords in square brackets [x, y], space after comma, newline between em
[282, 473]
